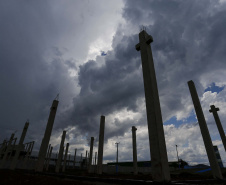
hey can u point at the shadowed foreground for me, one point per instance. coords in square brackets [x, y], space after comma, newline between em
[22, 177]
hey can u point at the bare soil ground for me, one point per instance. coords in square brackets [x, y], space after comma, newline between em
[21, 177]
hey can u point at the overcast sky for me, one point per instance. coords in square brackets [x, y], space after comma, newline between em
[85, 51]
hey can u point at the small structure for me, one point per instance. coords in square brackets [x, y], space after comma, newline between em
[214, 110]
[7, 151]
[61, 151]
[75, 157]
[135, 171]
[65, 157]
[101, 145]
[19, 148]
[49, 158]
[91, 154]
[218, 156]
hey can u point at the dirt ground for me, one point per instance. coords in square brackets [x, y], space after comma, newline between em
[20, 177]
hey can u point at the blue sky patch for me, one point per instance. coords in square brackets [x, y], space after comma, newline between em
[214, 88]
[173, 120]
[103, 53]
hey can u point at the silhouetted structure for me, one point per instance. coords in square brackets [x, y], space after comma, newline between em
[214, 110]
[218, 156]
[48, 159]
[91, 154]
[135, 171]
[101, 145]
[65, 158]
[157, 143]
[61, 151]
[20, 147]
[205, 132]
[75, 157]
[47, 135]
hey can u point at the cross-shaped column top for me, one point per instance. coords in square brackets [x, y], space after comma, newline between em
[144, 39]
[213, 108]
[134, 128]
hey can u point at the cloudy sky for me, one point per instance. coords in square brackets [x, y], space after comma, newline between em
[85, 51]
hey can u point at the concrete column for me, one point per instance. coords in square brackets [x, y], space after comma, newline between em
[56, 158]
[214, 110]
[61, 151]
[7, 151]
[69, 160]
[48, 151]
[81, 161]
[91, 154]
[46, 138]
[205, 132]
[13, 147]
[14, 142]
[19, 147]
[86, 159]
[3, 147]
[26, 156]
[218, 156]
[101, 145]
[47, 155]
[32, 146]
[26, 148]
[135, 170]
[159, 160]
[65, 158]
[75, 157]
[49, 158]
[95, 162]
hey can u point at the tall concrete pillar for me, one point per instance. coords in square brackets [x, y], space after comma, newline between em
[214, 110]
[46, 138]
[19, 148]
[75, 157]
[7, 151]
[218, 156]
[101, 145]
[14, 142]
[81, 161]
[61, 151]
[205, 132]
[47, 155]
[3, 147]
[135, 171]
[95, 162]
[48, 150]
[91, 154]
[32, 146]
[159, 160]
[49, 158]
[86, 159]
[69, 160]
[65, 158]
[13, 147]
[27, 155]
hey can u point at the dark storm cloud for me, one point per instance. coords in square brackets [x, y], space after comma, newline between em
[188, 36]
[28, 82]
[188, 43]
[108, 88]
[41, 46]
